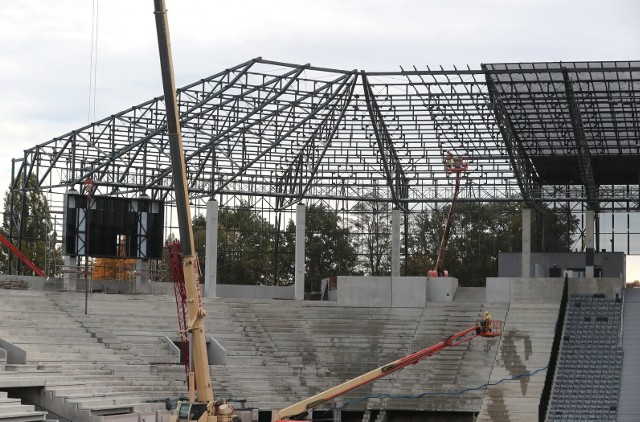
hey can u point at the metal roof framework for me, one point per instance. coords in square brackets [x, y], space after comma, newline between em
[544, 132]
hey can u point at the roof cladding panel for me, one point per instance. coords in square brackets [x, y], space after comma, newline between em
[605, 97]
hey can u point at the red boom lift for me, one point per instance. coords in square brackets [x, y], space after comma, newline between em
[300, 408]
[456, 165]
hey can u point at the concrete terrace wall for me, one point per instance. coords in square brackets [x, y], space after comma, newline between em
[613, 264]
[403, 292]
[20, 282]
[516, 289]
[611, 287]
[255, 292]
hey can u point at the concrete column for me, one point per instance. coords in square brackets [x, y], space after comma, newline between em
[526, 242]
[69, 263]
[395, 243]
[211, 250]
[142, 275]
[300, 249]
[588, 239]
[69, 275]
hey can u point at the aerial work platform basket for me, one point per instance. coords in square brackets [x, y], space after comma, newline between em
[455, 163]
[493, 330]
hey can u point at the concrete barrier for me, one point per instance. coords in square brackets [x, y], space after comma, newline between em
[14, 354]
[408, 292]
[611, 287]
[516, 289]
[441, 289]
[255, 292]
[396, 292]
[216, 353]
[358, 291]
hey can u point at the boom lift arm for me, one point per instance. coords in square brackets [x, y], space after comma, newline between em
[312, 402]
[453, 165]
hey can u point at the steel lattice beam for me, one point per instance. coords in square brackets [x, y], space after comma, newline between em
[582, 148]
[286, 131]
[395, 175]
[522, 168]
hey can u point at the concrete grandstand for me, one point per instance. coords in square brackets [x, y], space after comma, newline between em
[279, 137]
[114, 361]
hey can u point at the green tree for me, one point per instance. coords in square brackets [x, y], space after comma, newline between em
[38, 235]
[246, 247]
[480, 232]
[199, 227]
[329, 251]
[373, 223]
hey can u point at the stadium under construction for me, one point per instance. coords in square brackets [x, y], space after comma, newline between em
[277, 138]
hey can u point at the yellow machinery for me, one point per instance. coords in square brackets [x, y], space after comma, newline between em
[203, 408]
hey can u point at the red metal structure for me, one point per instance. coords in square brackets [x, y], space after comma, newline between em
[457, 165]
[22, 256]
[177, 276]
[295, 410]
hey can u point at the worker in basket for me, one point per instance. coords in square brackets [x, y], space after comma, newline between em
[486, 322]
[449, 160]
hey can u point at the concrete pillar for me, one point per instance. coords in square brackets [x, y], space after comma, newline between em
[300, 249]
[142, 276]
[211, 250]
[526, 242]
[395, 243]
[70, 274]
[588, 239]
[69, 263]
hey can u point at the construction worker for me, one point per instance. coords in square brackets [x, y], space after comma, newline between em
[449, 159]
[487, 320]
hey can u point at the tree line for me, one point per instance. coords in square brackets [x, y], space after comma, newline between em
[253, 250]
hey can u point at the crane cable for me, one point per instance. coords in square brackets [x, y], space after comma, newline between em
[93, 66]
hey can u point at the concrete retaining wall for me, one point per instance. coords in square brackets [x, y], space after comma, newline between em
[441, 289]
[613, 264]
[397, 292]
[364, 291]
[13, 354]
[548, 290]
[610, 287]
[255, 292]
[512, 289]
[408, 292]
[21, 282]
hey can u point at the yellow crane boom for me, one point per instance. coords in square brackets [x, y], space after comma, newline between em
[202, 409]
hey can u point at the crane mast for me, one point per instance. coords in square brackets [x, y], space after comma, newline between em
[199, 380]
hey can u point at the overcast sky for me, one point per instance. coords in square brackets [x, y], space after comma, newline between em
[45, 46]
